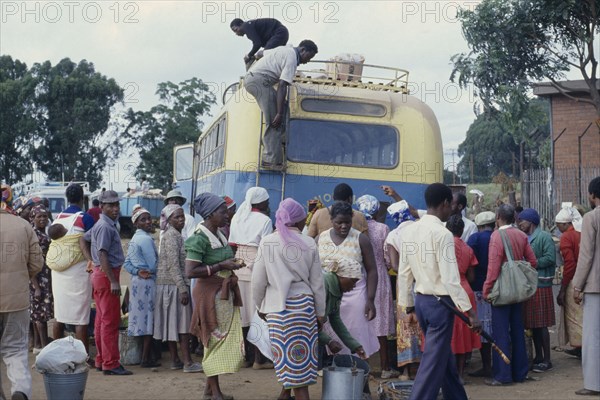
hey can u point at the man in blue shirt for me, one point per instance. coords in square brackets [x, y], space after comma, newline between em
[102, 245]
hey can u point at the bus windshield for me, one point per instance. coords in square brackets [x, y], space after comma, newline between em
[343, 143]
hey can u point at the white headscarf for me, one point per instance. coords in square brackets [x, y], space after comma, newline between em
[570, 214]
[254, 195]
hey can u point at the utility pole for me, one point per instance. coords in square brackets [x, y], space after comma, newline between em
[472, 169]
[455, 169]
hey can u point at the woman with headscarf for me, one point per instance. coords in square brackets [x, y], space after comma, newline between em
[250, 224]
[7, 198]
[538, 310]
[569, 222]
[231, 210]
[287, 285]
[216, 319]
[341, 242]
[383, 323]
[173, 310]
[40, 286]
[408, 332]
[141, 264]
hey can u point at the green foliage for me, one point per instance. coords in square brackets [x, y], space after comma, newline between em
[17, 119]
[74, 103]
[176, 120]
[57, 116]
[514, 43]
[493, 140]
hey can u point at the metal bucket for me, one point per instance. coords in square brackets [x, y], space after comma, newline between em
[65, 386]
[345, 382]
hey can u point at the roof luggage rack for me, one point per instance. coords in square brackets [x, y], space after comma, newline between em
[350, 74]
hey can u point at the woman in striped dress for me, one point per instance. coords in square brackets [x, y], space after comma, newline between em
[287, 285]
[357, 309]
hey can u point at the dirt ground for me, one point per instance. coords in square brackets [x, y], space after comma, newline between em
[249, 384]
[559, 384]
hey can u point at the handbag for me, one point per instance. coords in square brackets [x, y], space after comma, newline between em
[517, 280]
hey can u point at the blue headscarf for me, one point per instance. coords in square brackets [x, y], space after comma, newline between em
[531, 215]
[400, 212]
[368, 205]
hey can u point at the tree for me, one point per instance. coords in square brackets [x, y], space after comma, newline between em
[75, 104]
[517, 42]
[176, 120]
[17, 119]
[492, 146]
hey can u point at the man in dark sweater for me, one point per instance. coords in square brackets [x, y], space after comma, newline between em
[267, 33]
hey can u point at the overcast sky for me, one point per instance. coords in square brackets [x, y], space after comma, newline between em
[142, 43]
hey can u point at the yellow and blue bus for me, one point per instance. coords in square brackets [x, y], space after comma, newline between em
[364, 130]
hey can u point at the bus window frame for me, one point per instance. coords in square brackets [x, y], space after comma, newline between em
[344, 101]
[216, 143]
[391, 167]
[189, 146]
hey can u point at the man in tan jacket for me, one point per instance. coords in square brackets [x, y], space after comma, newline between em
[586, 284]
[20, 260]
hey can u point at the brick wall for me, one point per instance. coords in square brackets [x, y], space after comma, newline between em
[575, 117]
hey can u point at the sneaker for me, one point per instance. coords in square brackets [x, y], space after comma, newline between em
[117, 371]
[576, 352]
[177, 365]
[193, 367]
[543, 367]
[36, 350]
[390, 373]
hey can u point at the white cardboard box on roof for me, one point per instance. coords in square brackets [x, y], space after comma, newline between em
[347, 67]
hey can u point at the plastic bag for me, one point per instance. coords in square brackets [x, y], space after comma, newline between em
[62, 356]
[258, 335]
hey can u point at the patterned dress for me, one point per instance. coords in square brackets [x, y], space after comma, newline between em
[409, 337]
[141, 255]
[225, 351]
[383, 323]
[354, 302]
[42, 309]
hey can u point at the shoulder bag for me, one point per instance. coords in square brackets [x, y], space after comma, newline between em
[517, 280]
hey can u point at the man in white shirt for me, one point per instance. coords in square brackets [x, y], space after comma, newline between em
[278, 65]
[428, 258]
[459, 206]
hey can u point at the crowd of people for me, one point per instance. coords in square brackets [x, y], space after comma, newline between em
[320, 290]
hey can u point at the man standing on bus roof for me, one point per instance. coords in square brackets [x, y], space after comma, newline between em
[277, 66]
[267, 33]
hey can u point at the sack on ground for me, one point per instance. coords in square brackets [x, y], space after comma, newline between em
[130, 348]
[62, 356]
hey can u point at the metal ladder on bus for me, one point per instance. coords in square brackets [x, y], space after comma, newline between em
[283, 171]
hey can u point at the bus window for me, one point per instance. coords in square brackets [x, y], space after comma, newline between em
[329, 106]
[183, 163]
[57, 204]
[212, 145]
[343, 143]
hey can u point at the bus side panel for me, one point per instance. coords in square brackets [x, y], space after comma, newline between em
[303, 188]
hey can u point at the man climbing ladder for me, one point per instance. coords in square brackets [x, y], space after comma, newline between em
[277, 66]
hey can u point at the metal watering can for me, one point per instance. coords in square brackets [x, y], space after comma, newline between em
[345, 379]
